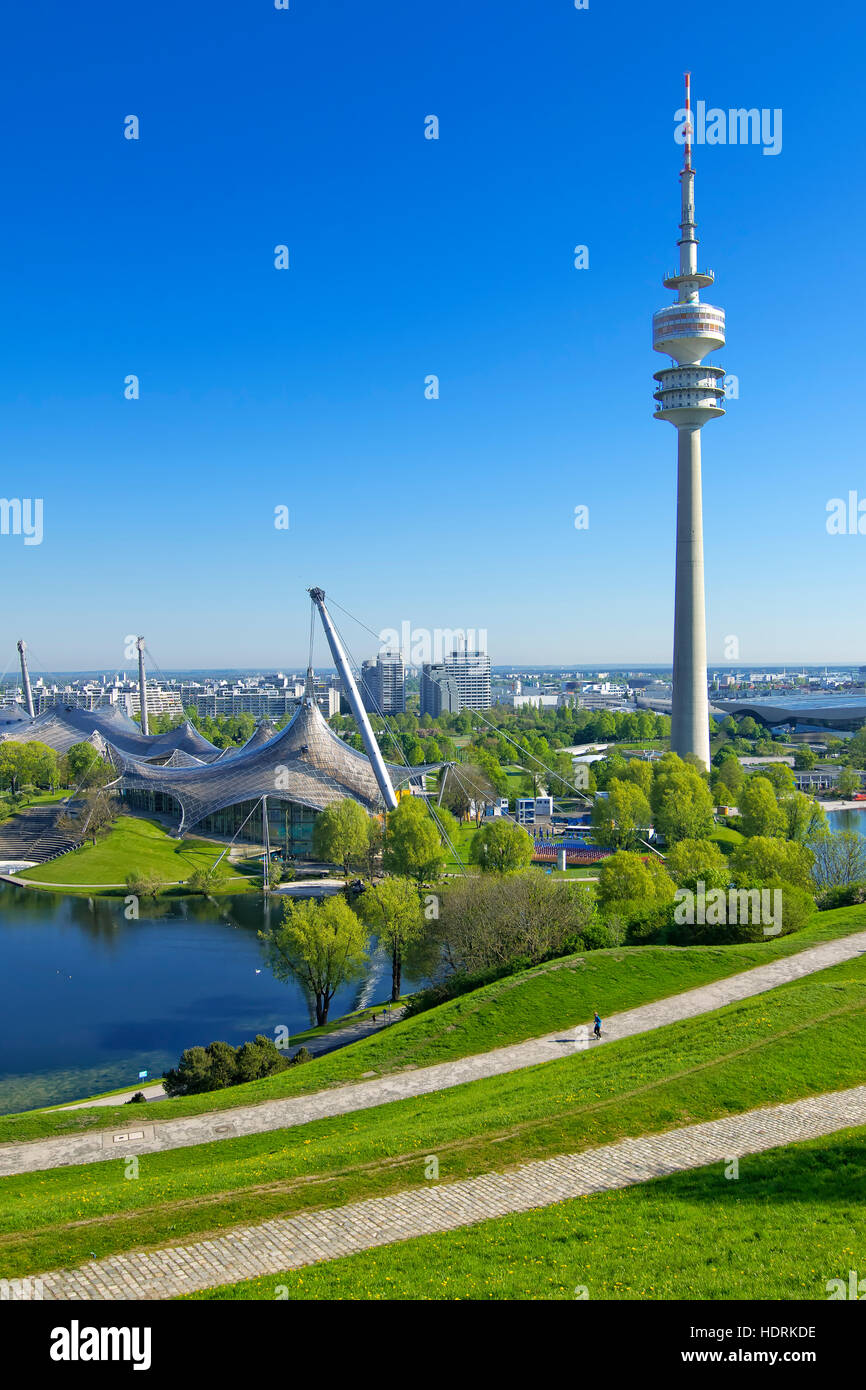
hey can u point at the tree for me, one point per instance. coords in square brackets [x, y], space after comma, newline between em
[621, 818]
[11, 758]
[83, 765]
[489, 922]
[99, 811]
[765, 862]
[640, 772]
[254, 1060]
[680, 799]
[321, 945]
[805, 758]
[780, 777]
[609, 769]
[759, 809]
[464, 786]
[856, 749]
[803, 817]
[501, 847]
[727, 778]
[839, 857]
[392, 911]
[340, 833]
[848, 782]
[205, 881]
[691, 862]
[219, 1065]
[412, 847]
[375, 841]
[625, 876]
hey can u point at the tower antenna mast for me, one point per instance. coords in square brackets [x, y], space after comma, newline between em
[689, 394]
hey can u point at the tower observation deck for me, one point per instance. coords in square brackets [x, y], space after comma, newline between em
[688, 395]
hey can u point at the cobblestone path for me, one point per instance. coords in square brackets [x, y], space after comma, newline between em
[142, 1136]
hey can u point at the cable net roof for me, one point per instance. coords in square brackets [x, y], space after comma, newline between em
[306, 762]
[62, 726]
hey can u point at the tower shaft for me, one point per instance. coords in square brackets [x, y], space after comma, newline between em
[690, 727]
[689, 394]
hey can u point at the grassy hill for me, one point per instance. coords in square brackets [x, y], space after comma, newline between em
[135, 846]
[800, 1039]
[558, 994]
[693, 1235]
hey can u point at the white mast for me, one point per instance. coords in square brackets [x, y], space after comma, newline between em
[25, 679]
[367, 735]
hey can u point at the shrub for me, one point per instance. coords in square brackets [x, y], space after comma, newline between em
[301, 1056]
[144, 885]
[219, 1065]
[137, 1099]
[842, 895]
[644, 921]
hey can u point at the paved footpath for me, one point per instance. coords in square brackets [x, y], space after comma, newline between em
[141, 1136]
[286, 1243]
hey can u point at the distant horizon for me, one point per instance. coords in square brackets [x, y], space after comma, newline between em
[504, 668]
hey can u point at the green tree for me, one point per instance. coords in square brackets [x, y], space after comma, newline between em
[340, 834]
[392, 910]
[856, 749]
[848, 782]
[805, 758]
[210, 1068]
[680, 799]
[803, 817]
[321, 945]
[759, 809]
[83, 765]
[780, 777]
[691, 862]
[767, 862]
[839, 857]
[412, 845]
[501, 847]
[640, 772]
[257, 1059]
[625, 876]
[621, 818]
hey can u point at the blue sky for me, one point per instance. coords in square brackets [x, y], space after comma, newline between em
[409, 257]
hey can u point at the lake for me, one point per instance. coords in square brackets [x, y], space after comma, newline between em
[89, 999]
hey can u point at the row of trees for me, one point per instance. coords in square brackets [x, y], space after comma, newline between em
[34, 764]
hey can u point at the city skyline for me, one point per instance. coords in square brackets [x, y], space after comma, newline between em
[305, 389]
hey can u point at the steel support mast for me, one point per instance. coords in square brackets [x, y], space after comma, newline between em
[142, 685]
[367, 735]
[25, 679]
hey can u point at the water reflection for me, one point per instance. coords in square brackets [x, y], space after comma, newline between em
[89, 999]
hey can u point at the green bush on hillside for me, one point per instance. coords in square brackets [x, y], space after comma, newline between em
[218, 1065]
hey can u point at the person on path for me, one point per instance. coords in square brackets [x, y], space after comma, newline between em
[596, 1027]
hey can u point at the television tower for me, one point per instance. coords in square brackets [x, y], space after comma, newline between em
[689, 395]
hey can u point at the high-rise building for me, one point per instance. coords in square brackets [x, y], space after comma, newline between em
[689, 395]
[439, 691]
[383, 684]
[471, 671]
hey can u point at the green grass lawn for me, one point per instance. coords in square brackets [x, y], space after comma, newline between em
[763, 1051]
[134, 846]
[726, 838]
[560, 993]
[461, 842]
[790, 1222]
